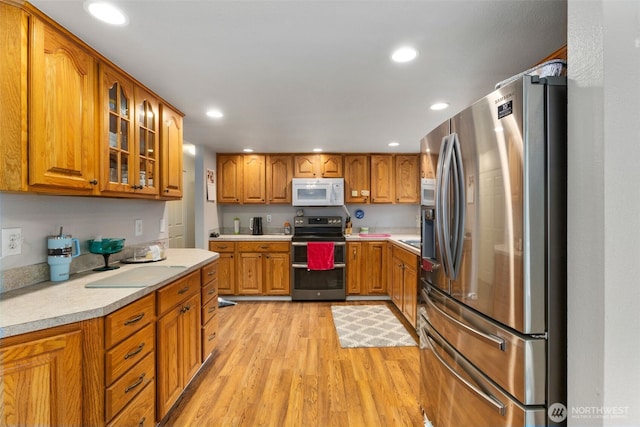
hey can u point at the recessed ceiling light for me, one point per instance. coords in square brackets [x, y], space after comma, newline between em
[404, 54]
[248, 150]
[216, 114]
[439, 106]
[106, 12]
[317, 150]
[394, 144]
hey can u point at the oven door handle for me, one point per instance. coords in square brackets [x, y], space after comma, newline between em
[305, 243]
[336, 265]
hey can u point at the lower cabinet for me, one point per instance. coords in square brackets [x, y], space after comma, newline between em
[404, 282]
[178, 339]
[367, 268]
[264, 268]
[41, 378]
[226, 266]
[129, 360]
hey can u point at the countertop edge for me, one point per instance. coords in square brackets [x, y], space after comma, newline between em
[122, 297]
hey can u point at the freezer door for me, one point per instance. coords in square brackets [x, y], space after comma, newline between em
[514, 362]
[454, 393]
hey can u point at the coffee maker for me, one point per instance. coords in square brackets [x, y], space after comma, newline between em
[255, 225]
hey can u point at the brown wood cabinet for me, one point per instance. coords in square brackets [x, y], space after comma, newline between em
[279, 175]
[317, 166]
[171, 175]
[407, 180]
[41, 378]
[226, 266]
[367, 268]
[428, 165]
[230, 178]
[209, 314]
[254, 185]
[357, 178]
[264, 268]
[382, 178]
[178, 339]
[129, 342]
[72, 122]
[404, 282]
[62, 138]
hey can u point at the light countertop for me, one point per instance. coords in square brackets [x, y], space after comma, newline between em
[49, 304]
[396, 238]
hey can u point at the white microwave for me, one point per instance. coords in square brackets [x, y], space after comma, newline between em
[427, 192]
[318, 191]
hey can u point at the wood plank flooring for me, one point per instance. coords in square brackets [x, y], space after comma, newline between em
[280, 364]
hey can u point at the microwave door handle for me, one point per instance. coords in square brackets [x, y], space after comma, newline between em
[461, 204]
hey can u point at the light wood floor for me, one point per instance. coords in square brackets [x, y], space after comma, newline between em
[280, 364]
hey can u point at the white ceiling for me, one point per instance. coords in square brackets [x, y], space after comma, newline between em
[291, 76]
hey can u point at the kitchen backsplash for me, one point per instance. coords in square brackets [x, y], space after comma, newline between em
[401, 219]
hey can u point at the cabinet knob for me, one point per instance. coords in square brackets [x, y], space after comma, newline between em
[93, 181]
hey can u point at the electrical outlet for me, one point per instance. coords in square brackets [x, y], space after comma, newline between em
[11, 241]
[269, 218]
[138, 227]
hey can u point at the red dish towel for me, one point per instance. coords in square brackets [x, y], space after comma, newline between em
[320, 255]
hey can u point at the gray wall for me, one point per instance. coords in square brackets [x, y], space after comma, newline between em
[604, 212]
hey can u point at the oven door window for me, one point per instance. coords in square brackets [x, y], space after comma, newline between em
[318, 279]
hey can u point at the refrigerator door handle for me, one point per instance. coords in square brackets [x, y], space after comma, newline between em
[491, 339]
[443, 199]
[460, 201]
[496, 404]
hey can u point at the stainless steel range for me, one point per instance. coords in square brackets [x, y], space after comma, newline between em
[312, 284]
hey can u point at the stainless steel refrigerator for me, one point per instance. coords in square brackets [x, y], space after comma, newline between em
[492, 314]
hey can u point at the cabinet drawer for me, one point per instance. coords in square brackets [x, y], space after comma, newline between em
[209, 336]
[263, 247]
[222, 246]
[209, 272]
[209, 310]
[140, 412]
[209, 291]
[177, 292]
[122, 357]
[129, 385]
[128, 320]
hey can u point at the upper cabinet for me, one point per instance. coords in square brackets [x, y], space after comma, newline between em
[254, 187]
[317, 166]
[171, 176]
[116, 130]
[279, 175]
[62, 138]
[356, 178]
[254, 178]
[382, 178]
[73, 123]
[230, 178]
[407, 182]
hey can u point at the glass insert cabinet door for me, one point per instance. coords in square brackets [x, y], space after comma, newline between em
[119, 127]
[147, 144]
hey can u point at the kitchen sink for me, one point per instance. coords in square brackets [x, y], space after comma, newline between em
[410, 242]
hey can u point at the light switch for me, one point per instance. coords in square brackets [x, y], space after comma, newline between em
[354, 193]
